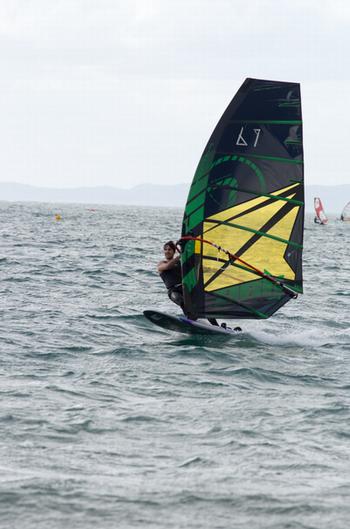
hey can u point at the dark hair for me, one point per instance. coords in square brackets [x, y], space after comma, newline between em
[171, 245]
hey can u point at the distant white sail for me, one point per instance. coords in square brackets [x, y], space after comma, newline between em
[346, 213]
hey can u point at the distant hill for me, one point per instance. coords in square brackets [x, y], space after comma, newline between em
[141, 195]
[333, 197]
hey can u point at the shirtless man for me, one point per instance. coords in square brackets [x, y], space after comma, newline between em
[169, 270]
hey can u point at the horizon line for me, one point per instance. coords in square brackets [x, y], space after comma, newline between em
[135, 185]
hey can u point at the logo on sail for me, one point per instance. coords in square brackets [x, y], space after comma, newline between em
[243, 142]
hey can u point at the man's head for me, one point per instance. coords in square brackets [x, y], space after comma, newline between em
[169, 249]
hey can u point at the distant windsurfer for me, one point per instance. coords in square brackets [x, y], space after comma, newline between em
[169, 270]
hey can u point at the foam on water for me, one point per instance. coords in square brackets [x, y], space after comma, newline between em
[108, 421]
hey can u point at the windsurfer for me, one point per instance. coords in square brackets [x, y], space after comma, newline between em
[169, 270]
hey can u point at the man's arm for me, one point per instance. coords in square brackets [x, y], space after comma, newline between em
[167, 265]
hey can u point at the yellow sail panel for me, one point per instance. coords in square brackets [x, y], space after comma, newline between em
[256, 219]
[288, 188]
[283, 228]
[234, 238]
[227, 237]
[257, 254]
[197, 247]
[245, 206]
[231, 275]
[235, 210]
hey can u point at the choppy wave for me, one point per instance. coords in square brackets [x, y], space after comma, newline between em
[108, 421]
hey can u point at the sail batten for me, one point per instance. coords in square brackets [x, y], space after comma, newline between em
[250, 192]
[268, 122]
[247, 199]
[257, 232]
[267, 157]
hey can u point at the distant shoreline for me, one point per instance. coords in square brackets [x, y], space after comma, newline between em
[334, 198]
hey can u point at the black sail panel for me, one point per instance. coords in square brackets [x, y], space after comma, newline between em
[247, 197]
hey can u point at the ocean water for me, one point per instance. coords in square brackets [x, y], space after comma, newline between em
[109, 422]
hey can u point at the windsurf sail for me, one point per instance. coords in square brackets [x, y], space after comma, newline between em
[345, 215]
[320, 216]
[242, 229]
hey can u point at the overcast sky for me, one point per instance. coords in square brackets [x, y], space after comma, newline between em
[123, 92]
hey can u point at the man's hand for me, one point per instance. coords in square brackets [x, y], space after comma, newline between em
[167, 265]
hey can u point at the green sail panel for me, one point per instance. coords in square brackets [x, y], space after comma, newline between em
[247, 196]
